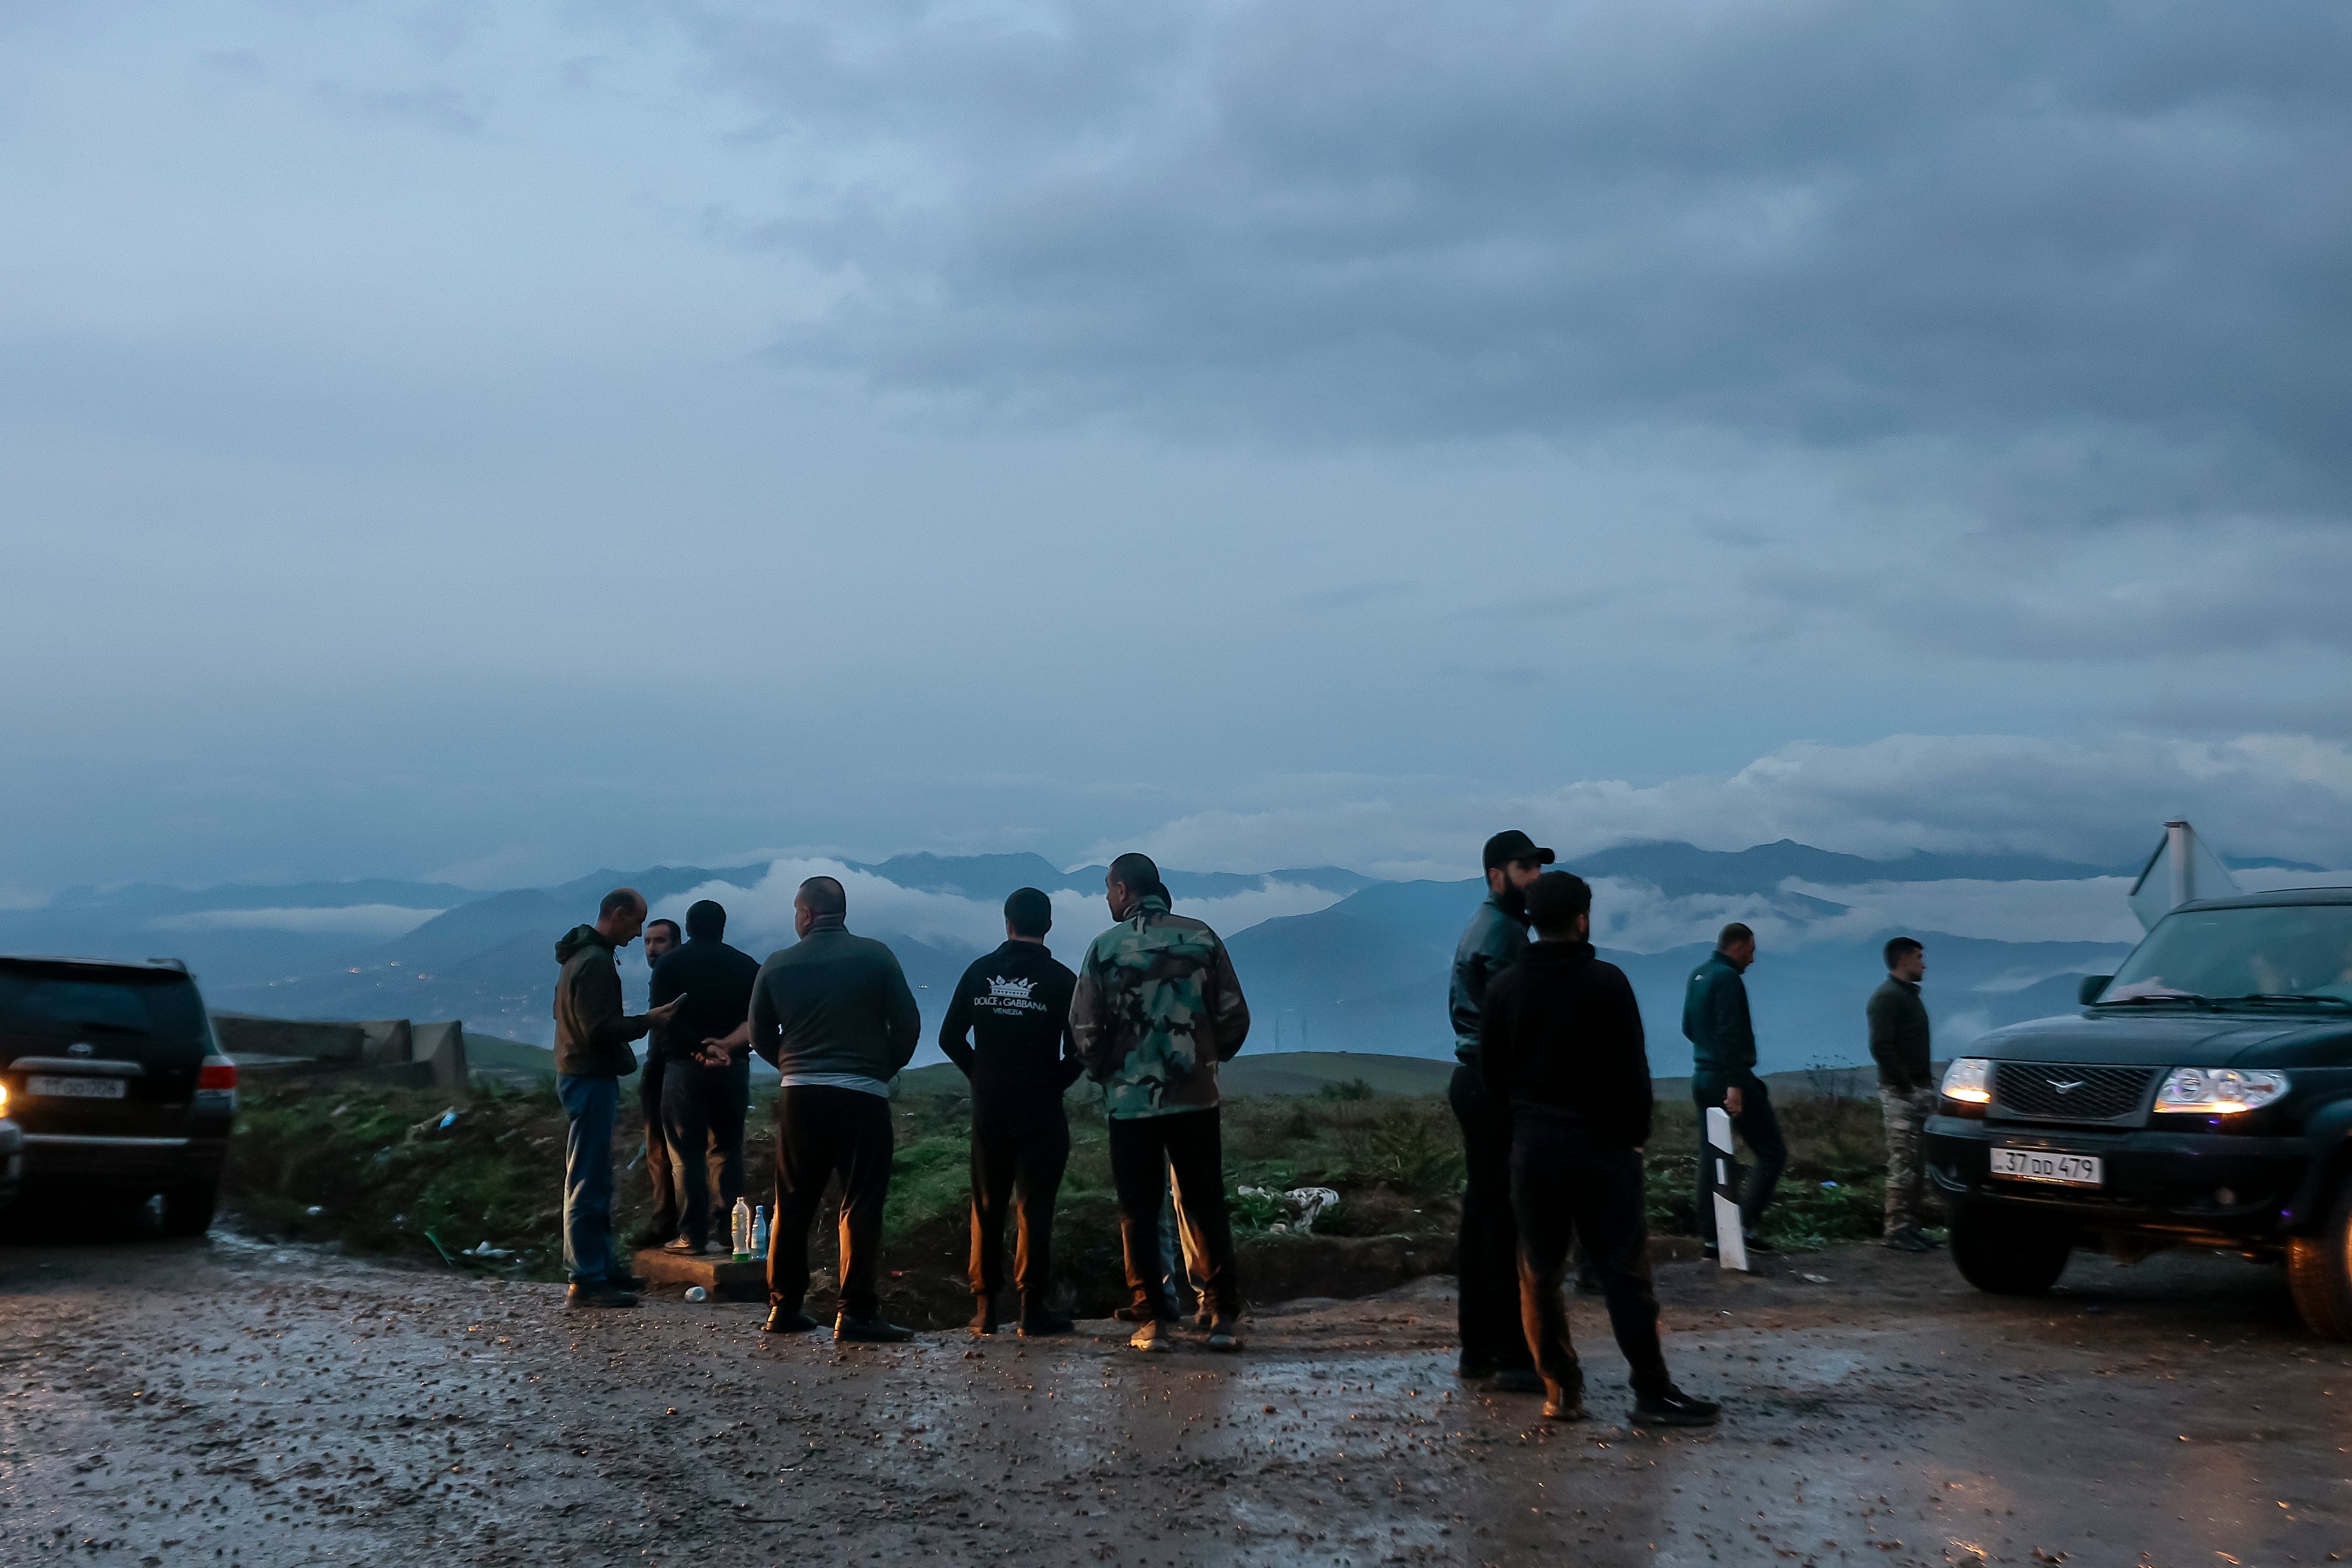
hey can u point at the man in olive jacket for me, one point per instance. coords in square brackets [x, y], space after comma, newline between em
[1723, 1072]
[593, 1032]
[1899, 1042]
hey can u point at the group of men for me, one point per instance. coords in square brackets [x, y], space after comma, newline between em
[1152, 1010]
[1552, 1092]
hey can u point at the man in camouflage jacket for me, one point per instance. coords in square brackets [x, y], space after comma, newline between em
[1157, 1008]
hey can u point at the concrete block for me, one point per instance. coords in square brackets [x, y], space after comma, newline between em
[721, 1276]
[388, 1043]
[444, 1047]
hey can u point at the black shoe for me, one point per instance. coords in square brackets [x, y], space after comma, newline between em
[1673, 1408]
[583, 1295]
[1756, 1243]
[1135, 1315]
[1470, 1369]
[626, 1281]
[1587, 1283]
[1038, 1320]
[647, 1240]
[1224, 1334]
[791, 1320]
[984, 1317]
[1519, 1380]
[869, 1332]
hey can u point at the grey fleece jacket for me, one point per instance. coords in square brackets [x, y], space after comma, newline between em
[834, 1003]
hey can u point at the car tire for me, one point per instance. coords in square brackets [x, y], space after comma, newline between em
[188, 1207]
[2008, 1254]
[2319, 1271]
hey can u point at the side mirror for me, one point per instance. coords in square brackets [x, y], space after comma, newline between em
[2089, 990]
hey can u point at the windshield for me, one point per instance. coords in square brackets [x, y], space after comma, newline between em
[2296, 949]
[55, 1001]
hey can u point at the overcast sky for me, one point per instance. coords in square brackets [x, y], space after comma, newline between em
[491, 441]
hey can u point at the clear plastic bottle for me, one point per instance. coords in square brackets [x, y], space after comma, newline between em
[760, 1233]
[742, 1231]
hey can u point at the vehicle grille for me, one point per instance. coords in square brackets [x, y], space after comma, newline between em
[2102, 1094]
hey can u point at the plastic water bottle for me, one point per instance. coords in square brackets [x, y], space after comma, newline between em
[759, 1232]
[742, 1231]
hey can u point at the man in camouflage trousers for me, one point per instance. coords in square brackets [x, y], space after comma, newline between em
[1906, 1091]
[1157, 1008]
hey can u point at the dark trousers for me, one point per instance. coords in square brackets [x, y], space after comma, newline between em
[822, 1133]
[1486, 1269]
[702, 1122]
[1758, 1129]
[1565, 1187]
[1019, 1170]
[1143, 1150]
[649, 1100]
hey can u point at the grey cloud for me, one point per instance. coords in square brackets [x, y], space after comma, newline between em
[1831, 223]
[434, 105]
[1353, 597]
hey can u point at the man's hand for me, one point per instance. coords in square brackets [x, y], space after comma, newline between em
[1731, 1099]
[661, 1015]
[715, 1054]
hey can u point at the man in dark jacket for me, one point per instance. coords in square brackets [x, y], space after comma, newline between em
[1561, 1046]
[1899, 1042]
[1723, 1072]
[835, 1016]
[703, 1106]
[591, 1056]
[1492, 1343]
[661, 936]
[1008, 1027]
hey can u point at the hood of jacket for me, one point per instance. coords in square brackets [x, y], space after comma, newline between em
[577, 939]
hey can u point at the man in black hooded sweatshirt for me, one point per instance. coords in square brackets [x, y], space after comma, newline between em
[1008, 1027]
[1562, 1047]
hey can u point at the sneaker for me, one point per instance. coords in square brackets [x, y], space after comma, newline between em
[681, 1247]
[1909, 1241]
[983, 1315]
[598, 1295]
[1564, 1402]
[1673, 1408]
[1224, 1334]
[1711, 1252]
[1038, 1320]
[1155, 1336]
[787, 1321]
[869, 1330]
[1756, 1243]
[1519, 1380]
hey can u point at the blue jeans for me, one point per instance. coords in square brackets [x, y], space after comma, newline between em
[591, 1103]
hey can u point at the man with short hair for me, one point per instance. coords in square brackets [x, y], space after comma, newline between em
[1900, 1045]
[703, 1106]
[1157, 1008]
[1723, 1072]
[1494, 1344]
[1561, 1045]
[835, 1018]
[591, 1056]
[1008, 1028]
[660, 937]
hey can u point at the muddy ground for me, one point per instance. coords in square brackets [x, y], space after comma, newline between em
[224, 1402]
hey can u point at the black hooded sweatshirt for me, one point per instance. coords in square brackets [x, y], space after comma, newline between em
[1016, 1003]
[1562, 1041]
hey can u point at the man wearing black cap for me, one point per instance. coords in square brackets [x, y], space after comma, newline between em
[1008, 1028]
[1492, 1343]
[703, 1106]
[1563, 1047]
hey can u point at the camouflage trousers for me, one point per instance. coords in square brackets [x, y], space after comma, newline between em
[1906, 1118]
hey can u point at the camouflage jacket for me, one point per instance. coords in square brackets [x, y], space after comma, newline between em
[1157, 1008]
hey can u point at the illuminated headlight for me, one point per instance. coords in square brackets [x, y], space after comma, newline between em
[3, 1100]
[2218, 1091]
[1970, 1081]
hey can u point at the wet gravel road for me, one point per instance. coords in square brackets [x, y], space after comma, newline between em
[168, 1403]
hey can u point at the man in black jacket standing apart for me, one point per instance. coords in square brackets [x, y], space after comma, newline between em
[1562, 1047]
[703, 1106]
[1900, 1044]
[1008, 1027]
[1485, 1269]
[836, 1018]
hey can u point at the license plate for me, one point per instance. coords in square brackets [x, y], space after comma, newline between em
[2044, 1165]
[76, 1088]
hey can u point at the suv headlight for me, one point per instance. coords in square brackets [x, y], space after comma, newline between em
[2218, 1091]
[1968, 1081]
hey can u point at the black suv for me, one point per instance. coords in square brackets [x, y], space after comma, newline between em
[2202, 1095]
[111, 1071]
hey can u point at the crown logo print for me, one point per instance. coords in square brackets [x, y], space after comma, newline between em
[1018, 990]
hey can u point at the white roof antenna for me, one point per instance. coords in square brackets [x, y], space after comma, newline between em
[2184, 867]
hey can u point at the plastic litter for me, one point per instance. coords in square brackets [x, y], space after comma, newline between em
[314, 1211]
[1817, 1279]
[449, 1119]
[487, 1250]
[697, 1293]
[1827, 1186]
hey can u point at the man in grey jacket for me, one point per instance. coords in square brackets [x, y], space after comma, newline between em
[1494, 1342]
[836, 1018]
[1900, 1044]
[591, 1056]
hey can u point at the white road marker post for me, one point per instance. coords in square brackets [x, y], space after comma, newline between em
[1730, 1241]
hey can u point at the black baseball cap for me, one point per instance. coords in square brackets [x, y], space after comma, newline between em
[1513, 845]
